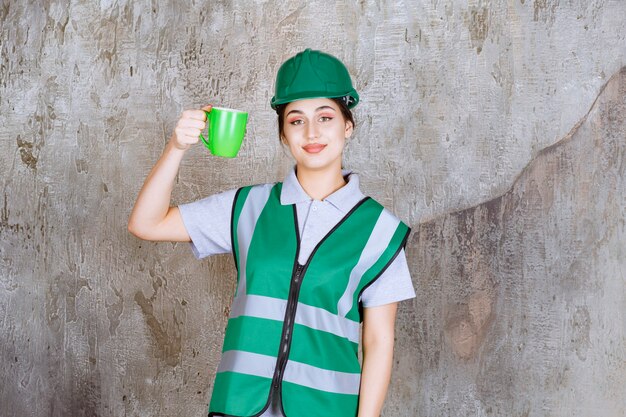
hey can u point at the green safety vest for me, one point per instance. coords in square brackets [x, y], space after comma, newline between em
[294, 329]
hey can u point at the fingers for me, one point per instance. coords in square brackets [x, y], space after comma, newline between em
[190, 126]
[193, 114]
[187, 135]
[198, 124]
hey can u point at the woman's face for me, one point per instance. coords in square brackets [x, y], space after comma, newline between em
[316, 133]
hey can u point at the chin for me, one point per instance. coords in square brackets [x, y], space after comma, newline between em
[312, 165]
[316, 165]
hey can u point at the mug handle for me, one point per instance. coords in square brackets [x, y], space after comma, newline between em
[206, 142]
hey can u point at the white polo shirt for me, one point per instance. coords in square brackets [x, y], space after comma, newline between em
[208, 223]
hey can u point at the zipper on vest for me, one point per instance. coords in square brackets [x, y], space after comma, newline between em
[292, 305]
[290, 316]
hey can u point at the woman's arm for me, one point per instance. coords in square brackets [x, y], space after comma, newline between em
[152, 217]
[378, 337]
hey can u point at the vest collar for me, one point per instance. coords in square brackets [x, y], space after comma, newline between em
[343, 199]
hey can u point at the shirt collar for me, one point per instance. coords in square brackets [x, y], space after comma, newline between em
[343, 199]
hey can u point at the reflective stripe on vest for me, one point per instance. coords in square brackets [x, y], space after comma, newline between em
[294, 329]
[313, 317]
[296, 372]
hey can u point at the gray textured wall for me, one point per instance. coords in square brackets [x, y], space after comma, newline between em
[496, 129]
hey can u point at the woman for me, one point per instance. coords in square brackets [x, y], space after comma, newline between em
[314, 258]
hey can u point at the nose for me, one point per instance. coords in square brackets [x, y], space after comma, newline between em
[312, 131]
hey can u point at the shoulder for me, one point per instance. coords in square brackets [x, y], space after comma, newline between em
[256, 194]
[386, 215]
[263, 185]
[263, 188]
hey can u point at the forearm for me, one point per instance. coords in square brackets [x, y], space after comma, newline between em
[153, 201]
[375, 377]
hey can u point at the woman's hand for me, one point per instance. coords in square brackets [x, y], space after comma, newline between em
[189, 126]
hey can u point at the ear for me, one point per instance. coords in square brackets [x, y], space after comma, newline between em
[349, 129]
[283, 140]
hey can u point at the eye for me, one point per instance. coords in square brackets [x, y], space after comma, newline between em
[296, 122]
[325, 118]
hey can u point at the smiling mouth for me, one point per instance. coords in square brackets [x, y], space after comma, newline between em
[314, 148]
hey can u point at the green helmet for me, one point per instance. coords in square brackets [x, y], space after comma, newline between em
[313, 74]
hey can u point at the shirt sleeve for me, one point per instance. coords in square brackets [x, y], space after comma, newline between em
[208, 223]
[393, 285]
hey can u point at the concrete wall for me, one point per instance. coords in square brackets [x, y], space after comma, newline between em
[496, 129]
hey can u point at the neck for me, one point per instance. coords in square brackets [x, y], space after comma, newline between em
[319, 184]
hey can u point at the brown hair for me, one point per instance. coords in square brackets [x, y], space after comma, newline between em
[345, 112]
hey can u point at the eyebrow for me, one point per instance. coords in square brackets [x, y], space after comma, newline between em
[316, 110]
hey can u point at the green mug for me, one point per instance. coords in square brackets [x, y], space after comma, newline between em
[227, 128]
